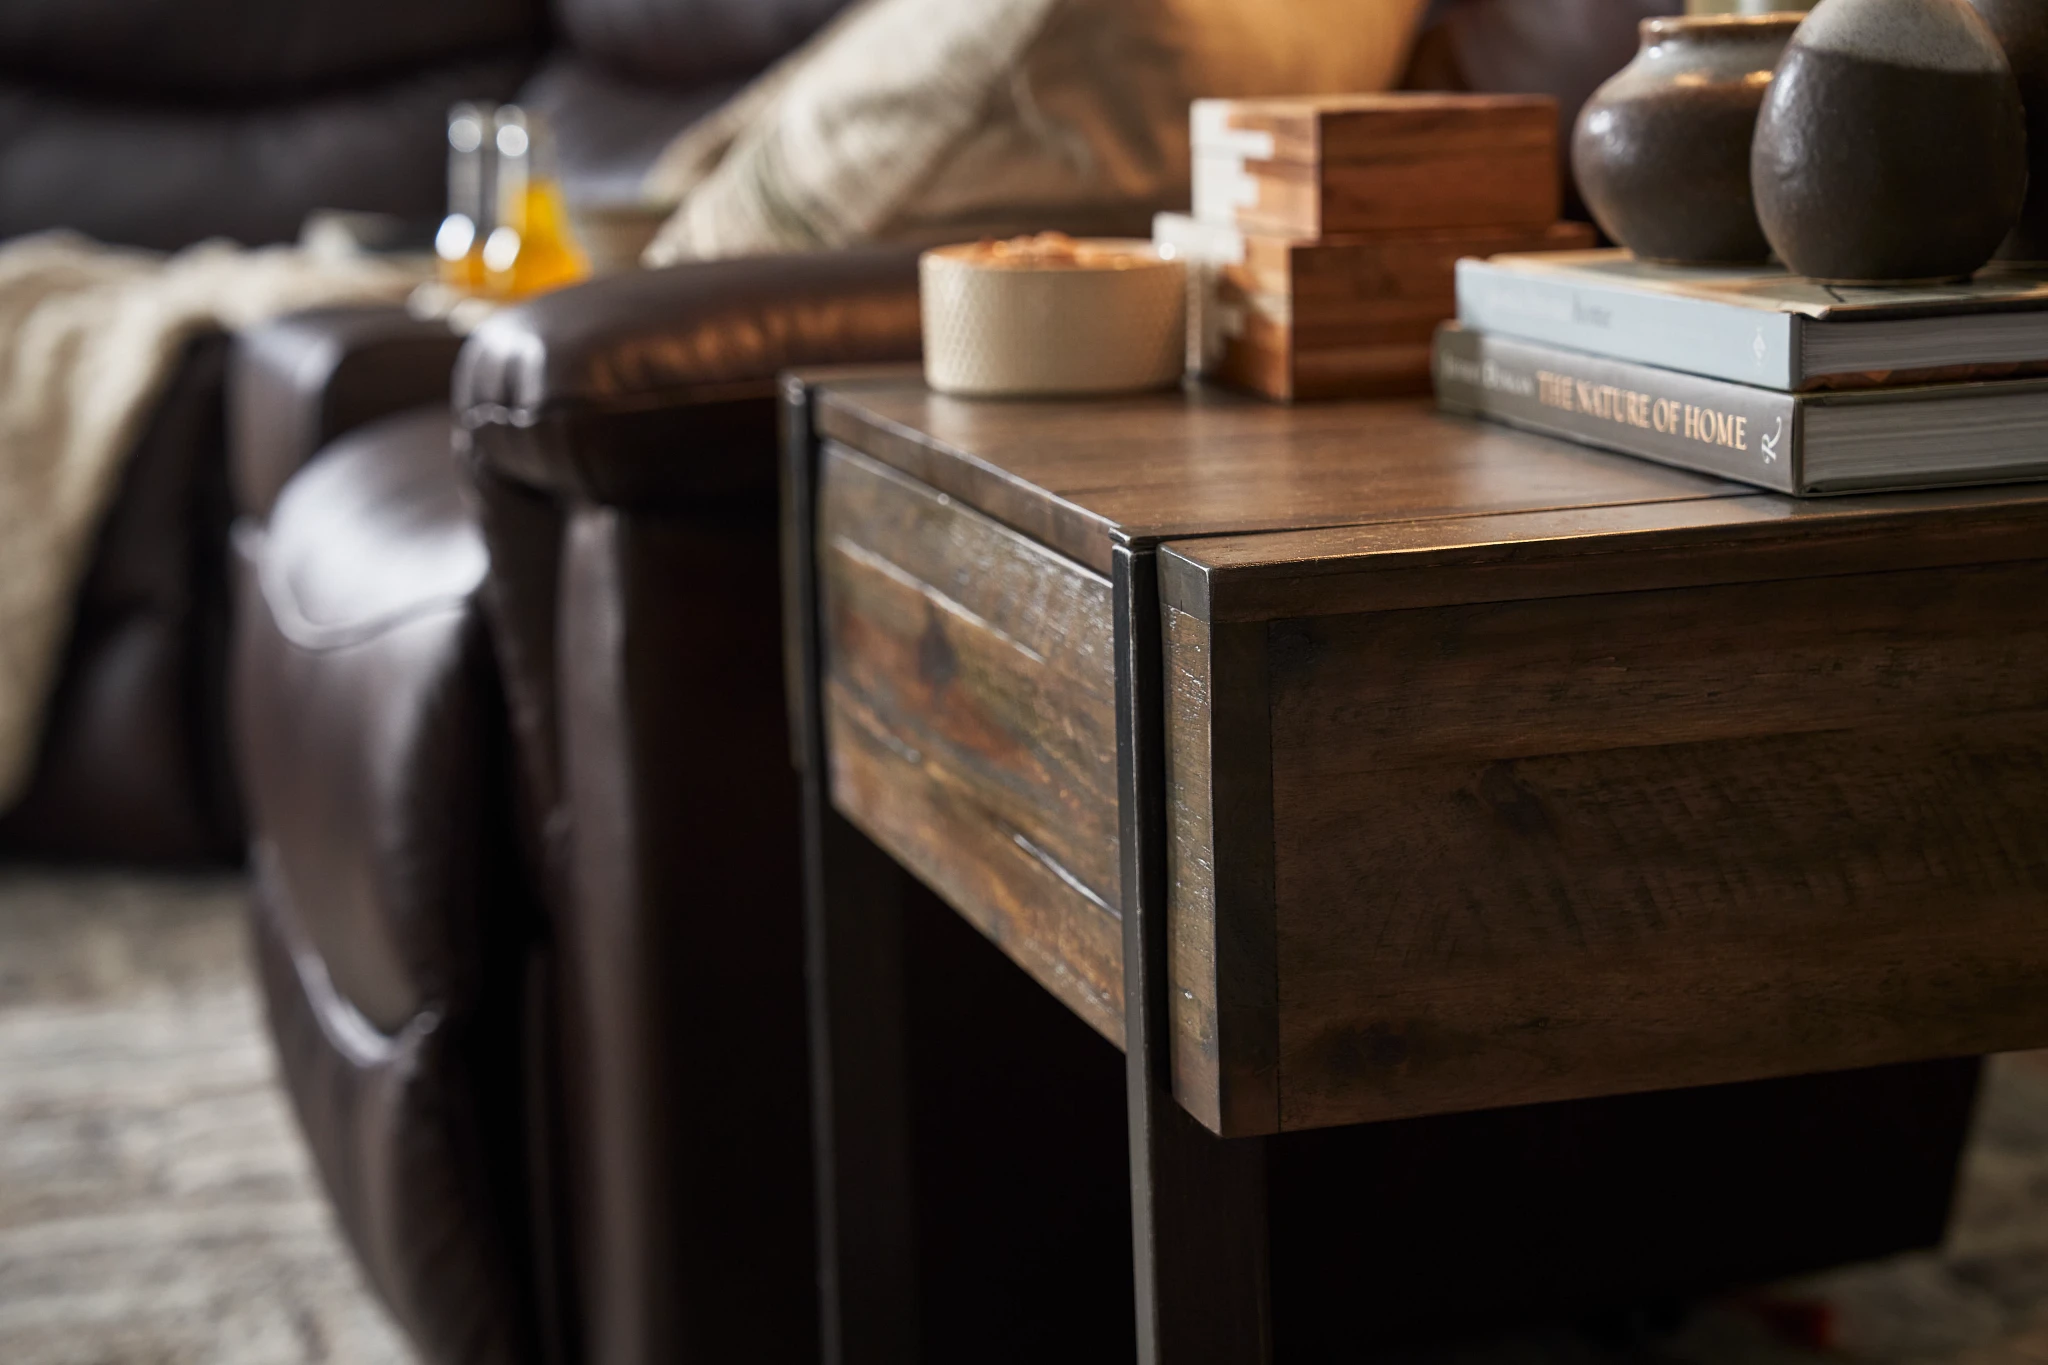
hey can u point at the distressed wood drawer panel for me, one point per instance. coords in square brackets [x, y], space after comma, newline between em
[1501, 852]
[970, 720]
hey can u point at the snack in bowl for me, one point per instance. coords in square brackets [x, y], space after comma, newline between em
[1052, 314]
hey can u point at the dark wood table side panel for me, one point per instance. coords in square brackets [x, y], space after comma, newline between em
[1479, 933]
[1357, 694]
[1190, 870]
[1222, 980]
[1054, 606]
[1069, 941]
[981, 651]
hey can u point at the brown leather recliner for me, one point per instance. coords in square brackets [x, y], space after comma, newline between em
[158, 123]
[524, 838]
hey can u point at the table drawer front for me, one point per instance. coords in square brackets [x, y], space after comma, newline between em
[1542, 850]
[971, 722]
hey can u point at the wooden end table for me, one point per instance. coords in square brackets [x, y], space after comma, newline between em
[1353, 763]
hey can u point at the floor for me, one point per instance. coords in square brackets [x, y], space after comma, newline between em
[156, 1207]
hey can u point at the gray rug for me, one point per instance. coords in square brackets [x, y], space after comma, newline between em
[157, 1208]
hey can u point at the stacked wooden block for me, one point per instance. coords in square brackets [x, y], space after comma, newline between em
[1326, 230]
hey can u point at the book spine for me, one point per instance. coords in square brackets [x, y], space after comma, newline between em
[1697, 336]
[1733, 431]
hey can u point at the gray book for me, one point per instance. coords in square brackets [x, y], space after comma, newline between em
[1925, 436]
[1758, 325]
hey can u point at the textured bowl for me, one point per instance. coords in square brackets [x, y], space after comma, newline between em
[1015, 330]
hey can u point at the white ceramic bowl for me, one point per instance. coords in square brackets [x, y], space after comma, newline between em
[1011, 329]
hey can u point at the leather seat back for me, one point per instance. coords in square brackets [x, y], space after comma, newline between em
[160, 122]
[241, 50]
[165, 176]
[684, 43]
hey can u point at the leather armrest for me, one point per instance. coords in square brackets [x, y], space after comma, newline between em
[299, 382]
[638, 388]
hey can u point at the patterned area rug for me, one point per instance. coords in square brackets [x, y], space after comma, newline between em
[157, 1207]
[1982, 1299]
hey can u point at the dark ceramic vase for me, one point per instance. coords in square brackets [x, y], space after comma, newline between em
[1661, 152]
[1892, 146]
[2021, 27]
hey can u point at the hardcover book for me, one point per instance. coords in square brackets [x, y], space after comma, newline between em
[1759, 325]
[1838, 441]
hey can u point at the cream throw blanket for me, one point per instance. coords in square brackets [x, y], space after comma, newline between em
[89, 337]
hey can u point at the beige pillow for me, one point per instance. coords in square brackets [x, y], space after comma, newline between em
[935, 120]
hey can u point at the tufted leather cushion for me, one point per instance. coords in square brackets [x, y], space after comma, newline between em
[684, 42]
[392, 930]
[169, 177]
[241, 49]
[410, 1140]
[354, 664]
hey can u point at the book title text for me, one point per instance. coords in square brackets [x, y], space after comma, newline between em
[1627, 407]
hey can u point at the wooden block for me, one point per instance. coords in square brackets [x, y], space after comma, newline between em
[1347, 317]
[1325, 166]
[971, 721]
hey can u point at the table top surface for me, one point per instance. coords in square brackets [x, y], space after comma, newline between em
[1203, 465]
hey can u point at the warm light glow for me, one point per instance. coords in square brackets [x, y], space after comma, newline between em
[501, 248]
[456, 237]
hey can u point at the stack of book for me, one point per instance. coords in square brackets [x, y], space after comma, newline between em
[1757, 375]
[1326, 230]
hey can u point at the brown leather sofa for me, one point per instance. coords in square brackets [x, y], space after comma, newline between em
[524, 830]
[522, 827]
[158, 123]
[524, 844]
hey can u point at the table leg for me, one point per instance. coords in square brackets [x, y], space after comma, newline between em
[1198, 1202]
[867, 1271]
[854, 968]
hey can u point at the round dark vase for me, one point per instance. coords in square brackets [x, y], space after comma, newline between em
[1661, 151]
[1892, 146]
[2021, 27]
